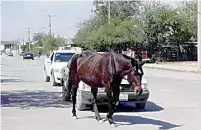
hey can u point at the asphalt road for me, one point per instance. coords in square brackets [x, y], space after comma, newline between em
[29, 103]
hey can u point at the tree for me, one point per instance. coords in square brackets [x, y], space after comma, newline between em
[96, 33]
[38, 37]
[152, 23]
[188, 11]
[49, 43]
[60, 41]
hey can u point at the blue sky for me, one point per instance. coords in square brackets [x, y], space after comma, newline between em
[16, 15]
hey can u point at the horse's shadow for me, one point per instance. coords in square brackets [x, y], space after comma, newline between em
[122, 120]
[134, 120]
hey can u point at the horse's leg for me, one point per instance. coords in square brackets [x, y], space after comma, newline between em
[94, 91]
[113, 102]
[110, 107]
[74, 94]
[116, 92]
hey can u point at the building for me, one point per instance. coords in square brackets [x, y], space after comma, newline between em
[11, 46]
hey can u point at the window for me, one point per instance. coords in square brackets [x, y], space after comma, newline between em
[63, 57]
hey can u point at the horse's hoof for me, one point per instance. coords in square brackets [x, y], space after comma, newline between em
[101, 121]
[74, 117]
[113, 125]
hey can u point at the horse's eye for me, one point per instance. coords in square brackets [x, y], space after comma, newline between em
[132, 72]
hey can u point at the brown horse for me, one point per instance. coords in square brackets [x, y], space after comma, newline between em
[104, 70]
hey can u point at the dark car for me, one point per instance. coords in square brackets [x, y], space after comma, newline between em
[28, 55]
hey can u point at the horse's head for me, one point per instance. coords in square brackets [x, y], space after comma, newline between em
[134, 77]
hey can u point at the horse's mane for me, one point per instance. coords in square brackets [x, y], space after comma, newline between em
[134, 62]
[127, 57]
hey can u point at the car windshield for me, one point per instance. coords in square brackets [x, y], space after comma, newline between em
[63, 57]
[28, 53]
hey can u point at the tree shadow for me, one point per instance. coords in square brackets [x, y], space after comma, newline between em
[2, 64]
[7, 80]
[27, 99]
[11, 80]
[17, 70]
[9, 76]
[132, 120]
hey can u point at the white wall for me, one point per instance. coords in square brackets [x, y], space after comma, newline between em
[2, 47]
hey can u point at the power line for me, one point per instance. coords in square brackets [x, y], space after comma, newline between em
[50, 23]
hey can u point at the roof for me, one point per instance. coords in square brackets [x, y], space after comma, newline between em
[9, 42]
[65, 51]
[101, 52]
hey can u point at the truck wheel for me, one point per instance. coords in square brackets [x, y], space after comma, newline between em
[66, 95]
[80, 106]
[47, 78]
[140, 105]
[52, 80]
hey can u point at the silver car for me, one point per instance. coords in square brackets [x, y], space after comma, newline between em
[84, 96]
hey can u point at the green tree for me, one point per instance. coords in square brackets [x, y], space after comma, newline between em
[96, 33]
[49, 43]
[152, 23]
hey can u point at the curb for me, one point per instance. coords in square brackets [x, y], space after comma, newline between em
[176, 70]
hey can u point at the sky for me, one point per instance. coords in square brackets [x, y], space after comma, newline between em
[16, 16]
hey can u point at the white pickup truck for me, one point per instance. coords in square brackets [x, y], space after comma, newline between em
[54, 63]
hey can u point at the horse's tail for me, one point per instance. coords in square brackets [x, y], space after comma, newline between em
[73, 70]
[73, 60]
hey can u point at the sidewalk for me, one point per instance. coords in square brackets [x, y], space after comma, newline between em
[175, 66]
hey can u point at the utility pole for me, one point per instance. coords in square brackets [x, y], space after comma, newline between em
[199, 35]
[29, 37]
[50, 23]
[22, 38]
[108, 11]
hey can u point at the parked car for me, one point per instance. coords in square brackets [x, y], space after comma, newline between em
[22, 53]
[10, 54]
[54, 63]
[28, 55]
[84, 96]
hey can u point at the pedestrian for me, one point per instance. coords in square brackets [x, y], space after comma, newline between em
[39, 54]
